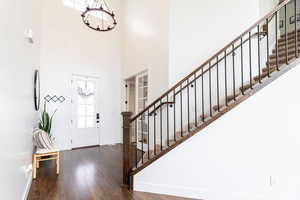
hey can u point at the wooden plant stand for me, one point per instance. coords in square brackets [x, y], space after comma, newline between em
[43, 156]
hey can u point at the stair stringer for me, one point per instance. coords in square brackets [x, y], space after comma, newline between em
[243, 155]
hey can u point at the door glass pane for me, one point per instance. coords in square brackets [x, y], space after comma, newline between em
[90, 100]
[141, 95]
[145, 81]
[145, 92]
[86, 103]
[141, 105]
[90, 122]
[90, 110]
[81, 100]
[81, 85]
[90, 87]
[142, 102]
[81, 122]
[140, 81]
[81, 110]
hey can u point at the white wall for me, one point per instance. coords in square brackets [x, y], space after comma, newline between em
[18, 61]
[249, 153]
[69, 47]
[145, 42]
[199, 29]
[266, 6]
[290, 12]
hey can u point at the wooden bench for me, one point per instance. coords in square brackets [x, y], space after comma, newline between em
[43, 155]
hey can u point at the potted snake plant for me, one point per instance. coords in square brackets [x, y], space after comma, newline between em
[45, 122]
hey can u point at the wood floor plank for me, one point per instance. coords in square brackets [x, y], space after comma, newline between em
[87, 174]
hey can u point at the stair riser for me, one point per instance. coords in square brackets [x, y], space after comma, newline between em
[290, 56]
[290, 37]
[282, 54]
[290, 34]
[248, 86]
[262, 76]
[289, 42]
[280, 61]
[282, 49]
[271, 69]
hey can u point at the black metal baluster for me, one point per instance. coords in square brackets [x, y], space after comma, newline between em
[225, 66]
[250, 61]
[142, 131]
[286, 41]
[268, 52]
[195, 92]
[181, 122]
[168, 137]
[154, 131]
[174, 113]
[218, 85]
[161, 126]
[296, 31]
[258, 52]
[136, 142]
[148, 137]
[210, 93]
[242, 66]
[202, 85]
[233, 72]
[276, 36]
[188, 104]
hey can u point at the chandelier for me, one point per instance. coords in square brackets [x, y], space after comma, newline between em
[98, 16]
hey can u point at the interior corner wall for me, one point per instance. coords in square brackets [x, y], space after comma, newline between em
[145, 42]
[19, 60]
[69, 47]
[198, 29]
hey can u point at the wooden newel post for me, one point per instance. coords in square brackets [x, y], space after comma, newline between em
[127, 152]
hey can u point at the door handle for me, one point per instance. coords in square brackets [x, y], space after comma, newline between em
[98, 118]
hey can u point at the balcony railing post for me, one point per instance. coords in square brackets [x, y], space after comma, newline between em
[127, 150]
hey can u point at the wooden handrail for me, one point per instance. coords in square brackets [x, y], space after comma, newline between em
[269, 15]
[161, 105]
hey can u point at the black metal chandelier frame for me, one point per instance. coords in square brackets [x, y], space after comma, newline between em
[102, 10]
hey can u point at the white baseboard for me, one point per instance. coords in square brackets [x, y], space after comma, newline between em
[172, 190]
[27, 187]
[190, 192]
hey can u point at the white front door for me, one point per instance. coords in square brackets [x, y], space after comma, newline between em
[86, 115]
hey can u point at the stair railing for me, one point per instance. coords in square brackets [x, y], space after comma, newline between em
[206, 93]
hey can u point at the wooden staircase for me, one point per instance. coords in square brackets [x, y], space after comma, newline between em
[221, 83]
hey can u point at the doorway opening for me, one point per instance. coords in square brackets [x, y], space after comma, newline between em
[137, 88]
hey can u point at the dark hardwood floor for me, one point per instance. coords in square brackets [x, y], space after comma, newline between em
[87, 174]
